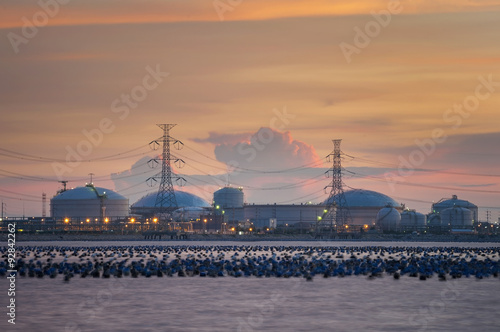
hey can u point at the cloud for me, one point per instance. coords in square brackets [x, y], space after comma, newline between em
[268, 149]
[220, 138]
[96, 12]
[478, 185]
[132, 182]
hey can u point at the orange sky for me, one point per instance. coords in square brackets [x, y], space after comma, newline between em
[228, 78]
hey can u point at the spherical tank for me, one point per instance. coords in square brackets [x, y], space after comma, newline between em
[457, 217]
[410, 219]
[228, 197]
[388, 219]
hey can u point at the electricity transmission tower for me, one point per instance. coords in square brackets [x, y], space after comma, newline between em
[337, 210]
[165, 202]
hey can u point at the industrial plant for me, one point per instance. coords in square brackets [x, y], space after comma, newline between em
[89, 208]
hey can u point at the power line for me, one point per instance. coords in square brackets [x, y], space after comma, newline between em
[29, 157]
[421, 169]
[359, 175]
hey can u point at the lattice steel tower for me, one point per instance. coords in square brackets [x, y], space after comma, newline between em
[337, 210]
[165, 202]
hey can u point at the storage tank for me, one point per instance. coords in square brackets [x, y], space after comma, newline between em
[412, 220]
[146, 205]
[434, 220]
[89, 202]
[445, 203]
[457, 217]
[189, 213]
[388, 219]
[229, 197]
[364, 205]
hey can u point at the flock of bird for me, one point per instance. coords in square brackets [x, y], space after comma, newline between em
[258, 261]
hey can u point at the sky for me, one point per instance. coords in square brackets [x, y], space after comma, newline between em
[258, 90]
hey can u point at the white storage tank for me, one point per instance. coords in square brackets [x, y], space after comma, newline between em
[412, 220]
[146, 205]
[364, 205]
[457, 217]
[229, 197]
[388, 219]
[89, 202]
[445, 203]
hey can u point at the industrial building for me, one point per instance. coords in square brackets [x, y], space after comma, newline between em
[229, 202]
[364, 206]
[89, 202]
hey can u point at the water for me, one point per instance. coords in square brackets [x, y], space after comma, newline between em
[353, 303]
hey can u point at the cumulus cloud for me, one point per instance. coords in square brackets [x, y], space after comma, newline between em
[268, 149]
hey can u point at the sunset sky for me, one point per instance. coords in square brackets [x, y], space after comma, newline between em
[415, 97]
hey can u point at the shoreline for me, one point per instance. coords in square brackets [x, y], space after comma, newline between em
[20, 237]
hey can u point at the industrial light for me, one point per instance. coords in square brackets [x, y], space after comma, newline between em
[155, 220]
[66, 220]
[106, 220]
